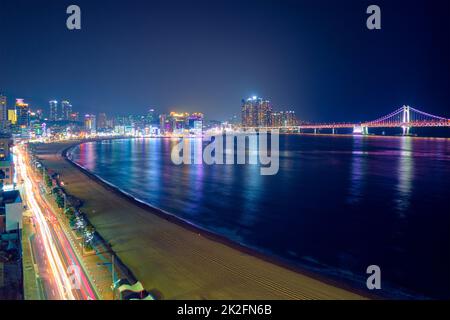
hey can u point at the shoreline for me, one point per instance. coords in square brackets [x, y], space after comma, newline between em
[205, 235]
[172, 218]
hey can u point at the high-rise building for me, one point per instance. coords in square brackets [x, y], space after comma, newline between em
[3, 111]
[109, 123]
[90, 123]
[248, 113]
[163, 123]
[289, 119]
[256, 112]
[151, 117]
[6, 162]
[53, 110]
[12, 116]
[66, 110]
[284, 119]
[195, 123]
[178, 122]
[101, 122]
[23, 113]
[277, 119]
[265, 113]
[5, 145]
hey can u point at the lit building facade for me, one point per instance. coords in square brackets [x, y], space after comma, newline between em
[101, 121]
[109, 123]
[6, 162]
[90, 123]
[164, 125]
[5, 145]
[277, 119]
[151, 117]
[23, 113]
[178, 122]
[66, 110]
[12, 116]
[195, 123]
[53, 110]
[256, 112]
[284, 119]
[289, 119]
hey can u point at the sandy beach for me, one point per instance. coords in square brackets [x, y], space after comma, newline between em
[178, 261]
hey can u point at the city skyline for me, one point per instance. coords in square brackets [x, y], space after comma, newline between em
[63, 109]
[256, 112]
[60, 110]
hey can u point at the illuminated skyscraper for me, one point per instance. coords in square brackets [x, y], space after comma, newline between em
[23, 113]
[151, 117]
[195, 123]
[109, 123]
[90, 123]
[101, 123]
[256, 112]
[264, 113]
[53, 110]
[284, 119]
[289, 119]
[66, 110]
[178, 122]
[277, 119]
[164, 125]
[248, 113]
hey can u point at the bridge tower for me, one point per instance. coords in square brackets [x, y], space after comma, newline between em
[359, 129]
[406, 119]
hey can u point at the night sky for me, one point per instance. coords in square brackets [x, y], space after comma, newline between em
[313, 56]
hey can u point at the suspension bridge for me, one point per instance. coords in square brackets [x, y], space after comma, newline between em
[405, 118]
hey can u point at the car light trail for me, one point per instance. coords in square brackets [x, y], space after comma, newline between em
[63, 283]
[69, 254]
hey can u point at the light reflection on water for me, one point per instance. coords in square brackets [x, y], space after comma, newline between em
[337, 205]
[405, 176]
[358, 172]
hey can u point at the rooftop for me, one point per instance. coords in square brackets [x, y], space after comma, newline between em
[12, 196]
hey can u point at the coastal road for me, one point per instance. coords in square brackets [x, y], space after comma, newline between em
[62, 274]
[47, 281]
